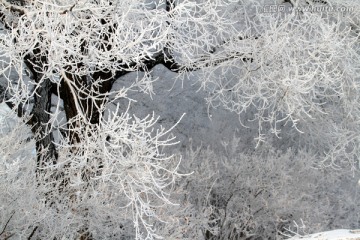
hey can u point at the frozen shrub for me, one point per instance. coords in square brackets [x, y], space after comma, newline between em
[265, 194]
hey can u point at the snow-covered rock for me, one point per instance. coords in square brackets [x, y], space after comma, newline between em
[7, 118]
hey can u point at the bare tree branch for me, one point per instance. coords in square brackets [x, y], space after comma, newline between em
[13, 8]
[6, 224]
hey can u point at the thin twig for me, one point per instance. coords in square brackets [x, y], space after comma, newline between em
[13, 8]
[68, 10]
[3, 231]
[32, 233]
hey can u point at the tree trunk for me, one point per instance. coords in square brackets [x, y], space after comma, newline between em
[40, 113]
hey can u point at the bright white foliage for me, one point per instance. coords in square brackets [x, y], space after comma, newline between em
[266, 194]
[115, 172]
[133, 181]
[298, 69]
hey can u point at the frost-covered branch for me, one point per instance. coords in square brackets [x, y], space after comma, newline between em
[60, 59]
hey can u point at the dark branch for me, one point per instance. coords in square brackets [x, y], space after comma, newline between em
[32, 233]
[7, 223]
[42, 106]
[13, 8]
[170, 4]
[68, 10]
